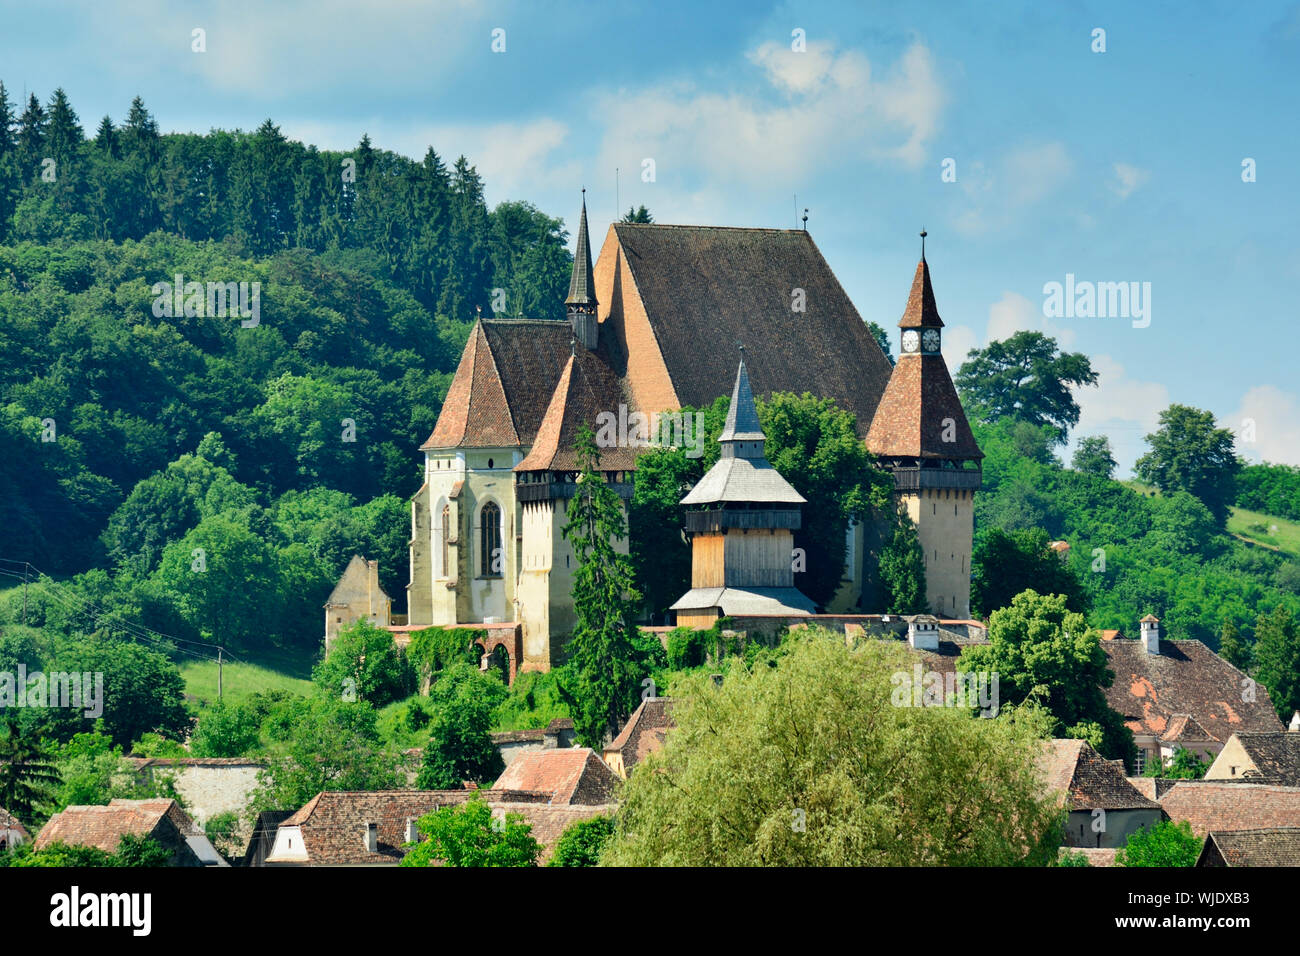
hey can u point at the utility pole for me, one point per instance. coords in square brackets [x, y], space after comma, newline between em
[25, 567]
[219, 674]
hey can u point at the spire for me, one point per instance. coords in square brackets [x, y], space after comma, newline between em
[742, 426]
[580, 291]
[921, 311]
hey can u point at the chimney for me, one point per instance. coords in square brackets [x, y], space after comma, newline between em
[1294, 726]
[372, 837]
[923, 633]
[1150, 626]
[412, 831]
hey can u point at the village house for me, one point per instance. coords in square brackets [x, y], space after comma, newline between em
[1215, 806]
[1277, 846]
[357, 596]
[12, 832]
[574, 776]
[1260, 758]
[1180, 694]
[103, 827]
[373, 828]
[641, 736]
[1105, 810]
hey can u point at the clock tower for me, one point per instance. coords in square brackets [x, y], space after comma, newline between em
[921, 434]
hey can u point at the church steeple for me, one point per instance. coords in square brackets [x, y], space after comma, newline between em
[742, 437]
[581, 303]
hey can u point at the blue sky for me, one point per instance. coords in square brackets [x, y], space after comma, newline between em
[1122, 166]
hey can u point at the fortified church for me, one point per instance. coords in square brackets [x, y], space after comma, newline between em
[654, 326]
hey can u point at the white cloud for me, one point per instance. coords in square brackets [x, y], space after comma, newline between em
[835, 110]
[1128, 179]
[1014, 313]
[1275, 416]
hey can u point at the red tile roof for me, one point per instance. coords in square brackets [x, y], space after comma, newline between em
[587, 388]
[1088, 781]
[1209, 805]
[1152, 692]
[1277, 846]
[570, 775]
[104, 826]
[644, 731]
[921, 310]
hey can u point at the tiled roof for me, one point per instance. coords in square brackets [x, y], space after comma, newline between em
[707, 289]
[503, 383]
[1276, 756]
[1185, 678]
[1209, 805]
[581, 291]
[587, 387]
[742, 423]
[921, 310]
[1087, 780]
[104, 826]
[1183, 727]
[743, 480]
[1097, 856]
[333, 822]
[644, 731]
[1275, 846]
[570, 775]
[913, 417]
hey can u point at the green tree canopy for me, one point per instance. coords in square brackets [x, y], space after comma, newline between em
[460, 743]
[1093, 456]
[1188, 453]
[1027, 378]
[1005, 563]
[1162, 844]
[1277, 659]
[468, 835]
[365, 661]
[805, 763]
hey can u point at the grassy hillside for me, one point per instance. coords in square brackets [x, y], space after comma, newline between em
[1276, 533]
[290, 671]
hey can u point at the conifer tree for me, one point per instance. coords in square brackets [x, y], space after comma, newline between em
[601, 675]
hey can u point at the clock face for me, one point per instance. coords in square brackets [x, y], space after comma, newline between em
[910, 340]
[931, 340]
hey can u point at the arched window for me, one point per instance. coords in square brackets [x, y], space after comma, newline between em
[491, 557]
[445, 530]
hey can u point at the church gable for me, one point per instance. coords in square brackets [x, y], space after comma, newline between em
[706, 289]
[500, 390]
[587, 389]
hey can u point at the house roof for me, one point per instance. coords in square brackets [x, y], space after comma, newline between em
[10, 822]
[587, 387]
[356, 574]
[644, 731]
[706, 289]
[1184, 727]
[1087, 780]
[1185, 678]
[104, 826]
[1276, 756]
[1272, 846]
[333, 823]
[571, 775]
[745, 601]
[503, 383]
[1209, 805]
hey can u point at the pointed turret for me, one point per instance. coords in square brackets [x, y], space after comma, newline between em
[742, 437]
[581, 303]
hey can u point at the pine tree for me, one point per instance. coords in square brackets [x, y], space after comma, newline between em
[600, 677]
[65, 133]
[902, 569]
[106, 137]
[31, 135]
[7, 140]
[27, 772]
[1277, 659]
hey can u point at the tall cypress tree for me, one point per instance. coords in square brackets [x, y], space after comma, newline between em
[599, 680]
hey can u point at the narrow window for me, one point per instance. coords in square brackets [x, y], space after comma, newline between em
[490, 539]
[446, 535]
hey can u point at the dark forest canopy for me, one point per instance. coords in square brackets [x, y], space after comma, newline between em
[129, 429]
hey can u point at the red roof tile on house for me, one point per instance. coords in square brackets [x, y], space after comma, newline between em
[571, 775]
[643, 733]
[1209, 805]
[103, 827]
[1086, 780]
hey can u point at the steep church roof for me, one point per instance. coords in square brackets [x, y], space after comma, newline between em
[920, 407]
[587, 388]
[706, 288]
[502, 386]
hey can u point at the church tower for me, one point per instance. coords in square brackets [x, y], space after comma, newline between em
[741, 520]
[921, 434]
[581, 304]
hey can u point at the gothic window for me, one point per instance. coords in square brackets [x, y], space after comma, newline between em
[491, 556]
[445, 532]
